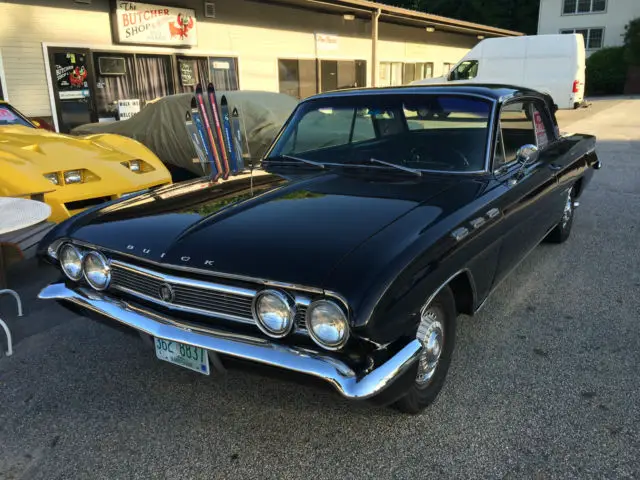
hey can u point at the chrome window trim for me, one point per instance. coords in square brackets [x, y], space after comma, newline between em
[395, 91]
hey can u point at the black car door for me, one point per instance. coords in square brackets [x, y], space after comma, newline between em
[529, 208]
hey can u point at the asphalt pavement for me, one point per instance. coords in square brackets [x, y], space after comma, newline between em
[544, 382]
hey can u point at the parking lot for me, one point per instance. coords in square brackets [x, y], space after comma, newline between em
[544, 382]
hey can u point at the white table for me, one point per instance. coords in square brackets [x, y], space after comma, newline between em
[16, 214]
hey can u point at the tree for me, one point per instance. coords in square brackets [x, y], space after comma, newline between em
[518, 15]
[632, 42]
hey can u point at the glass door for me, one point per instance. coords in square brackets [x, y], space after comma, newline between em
[72, 77]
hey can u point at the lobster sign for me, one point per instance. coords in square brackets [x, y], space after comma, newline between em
[181, 27]
[147, 24]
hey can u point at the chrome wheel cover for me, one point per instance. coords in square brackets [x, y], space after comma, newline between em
[568, 208]
[431, 335]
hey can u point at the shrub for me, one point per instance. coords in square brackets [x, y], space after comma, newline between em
[606, 71]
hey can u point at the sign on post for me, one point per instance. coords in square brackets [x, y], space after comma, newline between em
[147, 24]
[128, 108]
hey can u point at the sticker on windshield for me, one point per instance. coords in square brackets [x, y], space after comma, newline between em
[541, 132]
[7, 115]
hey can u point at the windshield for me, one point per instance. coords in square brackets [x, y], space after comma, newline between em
[8, 116]
[425, 131]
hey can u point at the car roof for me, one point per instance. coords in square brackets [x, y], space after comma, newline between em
[497, 92]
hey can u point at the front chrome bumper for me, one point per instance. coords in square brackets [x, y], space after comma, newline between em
[337, 373]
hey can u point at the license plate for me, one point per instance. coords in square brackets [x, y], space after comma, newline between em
[187, 356]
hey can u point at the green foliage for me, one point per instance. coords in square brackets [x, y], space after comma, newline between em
[632, 42]
[606, 71]
[518, 15]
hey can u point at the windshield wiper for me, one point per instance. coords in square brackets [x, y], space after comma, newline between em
[399, 167]
[303, 160]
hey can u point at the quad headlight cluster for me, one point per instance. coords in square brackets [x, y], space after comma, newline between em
[274, 312]
[90, 264]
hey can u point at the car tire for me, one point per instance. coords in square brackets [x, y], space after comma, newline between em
[562, 230]
[438, 319]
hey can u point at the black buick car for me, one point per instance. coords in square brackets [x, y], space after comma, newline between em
[380, 216]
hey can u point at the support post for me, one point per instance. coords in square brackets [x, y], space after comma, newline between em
[375, 15]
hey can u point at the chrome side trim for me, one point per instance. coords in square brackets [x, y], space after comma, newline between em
[460, 233]
[493, 213]
[467, 272]
[476, 223]
[333, 371]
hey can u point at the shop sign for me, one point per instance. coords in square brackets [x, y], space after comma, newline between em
[147, 24]
[128, 108]
[326, 42]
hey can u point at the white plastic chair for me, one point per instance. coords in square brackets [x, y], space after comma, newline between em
[4, 325]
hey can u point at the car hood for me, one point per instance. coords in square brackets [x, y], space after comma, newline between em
[279, 229]
[43, 151]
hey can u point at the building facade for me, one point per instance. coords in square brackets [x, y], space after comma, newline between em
[601, 22]
[81, 61]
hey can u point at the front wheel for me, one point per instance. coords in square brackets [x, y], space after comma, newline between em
[436, 332]
[562, 231]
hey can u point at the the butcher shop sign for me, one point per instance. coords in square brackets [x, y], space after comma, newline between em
[146, 24]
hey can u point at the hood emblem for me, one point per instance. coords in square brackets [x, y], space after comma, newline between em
[166, 293]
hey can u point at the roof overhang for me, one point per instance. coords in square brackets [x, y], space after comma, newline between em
[402, 16]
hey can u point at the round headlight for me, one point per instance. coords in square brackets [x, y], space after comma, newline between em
[96, 270]
[327, 324]
[274, 313]
[71, 261]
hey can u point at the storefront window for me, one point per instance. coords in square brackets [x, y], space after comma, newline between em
[224, 73]
[335, 75]
[390, 74]
[417, 71]
[154, 77]
[297, 77]
[115, 80]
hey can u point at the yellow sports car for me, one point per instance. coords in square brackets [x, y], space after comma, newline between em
[70, 173]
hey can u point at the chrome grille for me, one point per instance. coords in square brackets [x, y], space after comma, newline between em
[300, 320]
[198, 297]
[194, 296]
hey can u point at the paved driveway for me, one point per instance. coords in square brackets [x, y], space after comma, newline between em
[544, 381]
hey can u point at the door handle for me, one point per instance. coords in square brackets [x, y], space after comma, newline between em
[555, 167]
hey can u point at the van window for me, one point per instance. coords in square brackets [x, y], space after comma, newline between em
[521, 123]
[465, 71]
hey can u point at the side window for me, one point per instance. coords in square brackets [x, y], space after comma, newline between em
[465, 71]
[521, 123]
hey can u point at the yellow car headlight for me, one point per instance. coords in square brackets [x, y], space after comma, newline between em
[138, 166]
[72, 176]
[52, 177]
[134, 165]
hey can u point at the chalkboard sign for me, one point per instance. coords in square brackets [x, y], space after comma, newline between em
[187, 75]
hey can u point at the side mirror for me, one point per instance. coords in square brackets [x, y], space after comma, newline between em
[526, 154]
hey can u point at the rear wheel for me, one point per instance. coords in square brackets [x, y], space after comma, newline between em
[562, 231]
[436, 332]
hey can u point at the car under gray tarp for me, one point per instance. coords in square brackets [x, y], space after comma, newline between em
[160, 125]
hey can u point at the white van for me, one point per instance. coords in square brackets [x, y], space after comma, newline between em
[552, 64]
